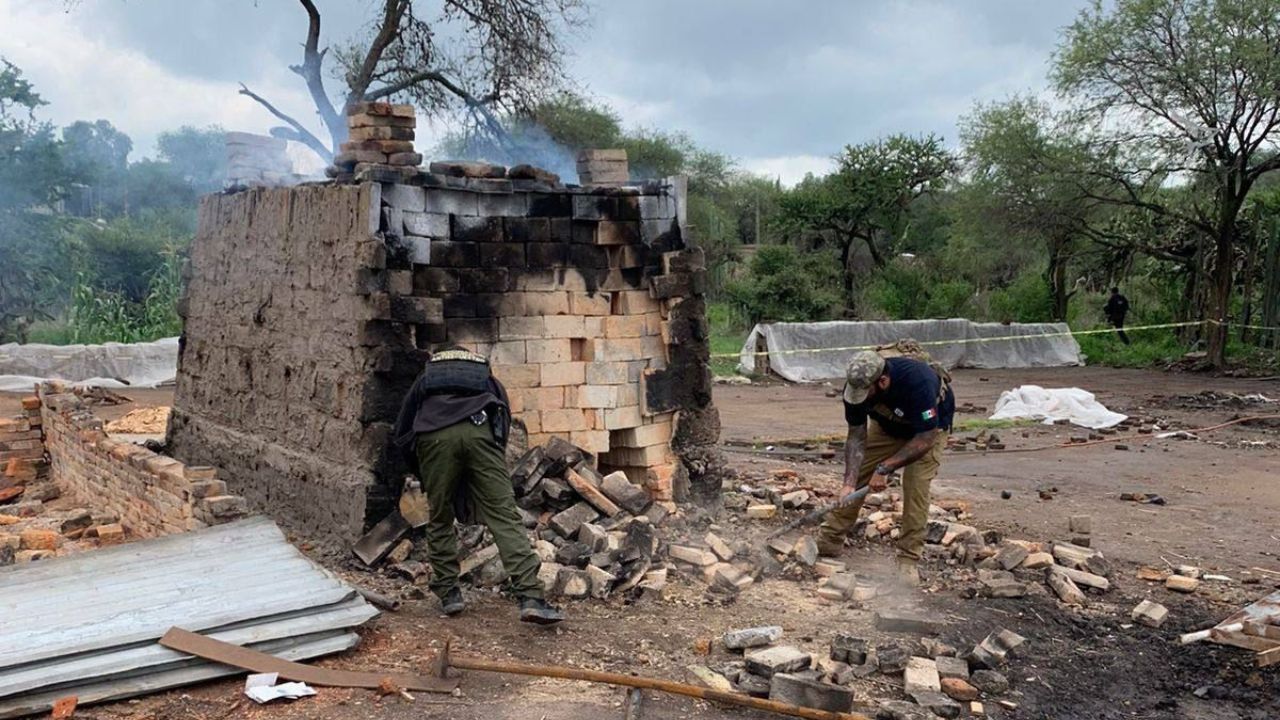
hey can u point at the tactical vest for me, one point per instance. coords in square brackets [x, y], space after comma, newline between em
[457, 372]
[911, 349]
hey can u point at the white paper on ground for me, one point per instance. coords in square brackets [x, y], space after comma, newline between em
[261, 680]
[261, 693]
[1074, 405]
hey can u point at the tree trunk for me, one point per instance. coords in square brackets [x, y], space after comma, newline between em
[1058, 282]
[1271, 286]
[846, 256]
[1220, 292]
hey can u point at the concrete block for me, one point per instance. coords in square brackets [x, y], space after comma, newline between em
[432, 225]
[449, 202]
[563, 373]
[849, 649]
[621, 491]
[710, 678]
[406, 198]
[692, 555]
[803, 692]
[752, 637]
[1151, 614]
[921, 675]
[776, 659]
[568, 521]
[1061, 584]
[905, 620]
[951, 667]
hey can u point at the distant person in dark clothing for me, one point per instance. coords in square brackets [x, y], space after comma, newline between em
[1117, 307]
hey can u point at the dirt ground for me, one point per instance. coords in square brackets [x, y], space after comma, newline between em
[1221, 514]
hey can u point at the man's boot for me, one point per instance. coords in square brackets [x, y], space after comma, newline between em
[827, 547]
[908, 572]
[536, 610]
[452, 602]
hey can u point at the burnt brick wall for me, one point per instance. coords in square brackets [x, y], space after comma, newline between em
[311, 310]
[152, 494]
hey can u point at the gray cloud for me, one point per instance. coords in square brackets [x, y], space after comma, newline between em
[780, 84]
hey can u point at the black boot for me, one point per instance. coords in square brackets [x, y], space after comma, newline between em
[452, 602]
[536, 610]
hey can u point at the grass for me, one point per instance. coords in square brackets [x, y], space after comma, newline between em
[731, 343]
[970, 424]
[1146, 348]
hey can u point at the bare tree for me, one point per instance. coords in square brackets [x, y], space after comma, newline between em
[480, 57]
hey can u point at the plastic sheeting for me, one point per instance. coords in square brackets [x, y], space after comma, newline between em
[796, 351]
[113, 365]
[1073, 405]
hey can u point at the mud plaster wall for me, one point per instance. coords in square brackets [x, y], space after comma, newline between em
[272, 358]
[311, 310]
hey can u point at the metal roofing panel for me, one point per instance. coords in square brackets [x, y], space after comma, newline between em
[300, 648]
[153, 657]
[132, 593]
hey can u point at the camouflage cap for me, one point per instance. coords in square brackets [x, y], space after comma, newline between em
[865, 367]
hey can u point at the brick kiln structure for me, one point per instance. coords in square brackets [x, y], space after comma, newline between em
[310, 311]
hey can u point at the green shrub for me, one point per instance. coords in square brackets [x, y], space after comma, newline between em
[99, 316]
[900, 290]
[782, 285]
[1026, 299]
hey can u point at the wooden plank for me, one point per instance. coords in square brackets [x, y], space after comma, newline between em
[258, 662]
[590, 493]
[1268, 657]
[1240, 640]
[1264, 630]
[117, 689]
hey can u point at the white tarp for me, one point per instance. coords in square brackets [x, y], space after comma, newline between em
[1076, 406]
[113, 365]
[797, 351]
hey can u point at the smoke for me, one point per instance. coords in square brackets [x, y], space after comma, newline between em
[526, 143]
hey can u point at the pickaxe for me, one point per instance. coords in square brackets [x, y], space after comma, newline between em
[445, 661]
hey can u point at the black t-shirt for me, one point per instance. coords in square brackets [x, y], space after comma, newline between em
[910, 405]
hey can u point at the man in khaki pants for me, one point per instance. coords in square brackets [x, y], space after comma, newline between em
[912, 407]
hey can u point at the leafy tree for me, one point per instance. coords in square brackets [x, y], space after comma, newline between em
[1182, 89]
[96, 151]
[33, 178]
[784, 285]
[197, 155]
[868, 198]
[1026, 183]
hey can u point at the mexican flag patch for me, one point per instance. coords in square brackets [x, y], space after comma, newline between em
[929, 414]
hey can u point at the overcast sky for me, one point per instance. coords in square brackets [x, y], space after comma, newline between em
[781, 85]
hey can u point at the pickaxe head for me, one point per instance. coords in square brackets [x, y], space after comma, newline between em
[441, 666]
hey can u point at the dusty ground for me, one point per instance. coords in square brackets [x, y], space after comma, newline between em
[1221, 514]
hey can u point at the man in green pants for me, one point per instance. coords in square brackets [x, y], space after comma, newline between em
[899, 411]
[453, 427]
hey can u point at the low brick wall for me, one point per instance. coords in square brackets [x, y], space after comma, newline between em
[152, 494]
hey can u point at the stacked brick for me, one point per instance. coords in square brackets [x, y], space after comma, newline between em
[151, 494]
[22, 458]
[379, 144]
[257, 160]
[603, 167]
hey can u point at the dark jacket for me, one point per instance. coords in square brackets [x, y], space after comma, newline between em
[424, 412]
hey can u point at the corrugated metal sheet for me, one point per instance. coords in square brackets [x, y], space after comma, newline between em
[301, 648]
[87, 624]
